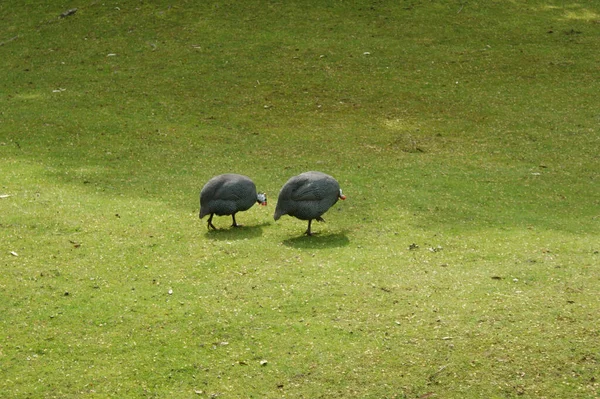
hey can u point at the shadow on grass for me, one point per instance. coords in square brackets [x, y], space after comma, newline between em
[236, 233]
[317, 241]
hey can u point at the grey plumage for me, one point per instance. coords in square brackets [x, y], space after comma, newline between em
[228, 194]
[308, 196]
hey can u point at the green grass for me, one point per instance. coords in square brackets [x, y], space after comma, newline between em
[464, 263]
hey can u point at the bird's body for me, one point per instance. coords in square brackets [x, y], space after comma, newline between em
[308, 196]
[228, 194]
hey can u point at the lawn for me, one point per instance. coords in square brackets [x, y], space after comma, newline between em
[464, 264]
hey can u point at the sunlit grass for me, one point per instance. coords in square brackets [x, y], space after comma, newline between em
[464, 262]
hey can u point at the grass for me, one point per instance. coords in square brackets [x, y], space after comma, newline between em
[464, 263]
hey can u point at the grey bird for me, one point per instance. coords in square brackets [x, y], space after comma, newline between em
[228, 194]
[308, 196]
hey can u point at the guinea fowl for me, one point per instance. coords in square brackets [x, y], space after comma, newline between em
[228, 194]
[308, 196]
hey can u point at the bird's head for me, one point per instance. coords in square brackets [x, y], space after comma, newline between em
[341, 195]
[261, 198]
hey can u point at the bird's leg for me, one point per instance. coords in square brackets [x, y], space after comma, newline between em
[209, 225]
[234, 222]
[308, 232]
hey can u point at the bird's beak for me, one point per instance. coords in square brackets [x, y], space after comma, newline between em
[342, 197]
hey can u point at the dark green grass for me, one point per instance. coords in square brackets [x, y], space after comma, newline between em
[463, 264]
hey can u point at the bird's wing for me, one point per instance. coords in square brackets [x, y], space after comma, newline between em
[308, 191]
[228, 188]
[227, 193]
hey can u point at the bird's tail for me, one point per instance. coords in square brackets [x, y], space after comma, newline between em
[278, 214]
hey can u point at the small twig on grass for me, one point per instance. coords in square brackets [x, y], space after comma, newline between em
[68, 13]
[462, 5]
[9, 40]
[434, 375]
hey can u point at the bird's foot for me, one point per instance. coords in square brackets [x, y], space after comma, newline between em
[309, 232]
[209, 222]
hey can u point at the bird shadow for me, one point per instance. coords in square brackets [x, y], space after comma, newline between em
[318, 241]
[236, 233]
